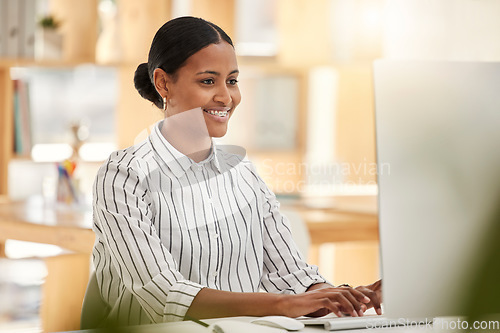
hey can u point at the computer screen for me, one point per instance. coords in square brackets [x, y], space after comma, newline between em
[438, 129]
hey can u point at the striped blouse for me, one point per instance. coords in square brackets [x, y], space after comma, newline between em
[166, 227]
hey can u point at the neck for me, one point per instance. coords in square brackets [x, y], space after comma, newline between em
[187, 132]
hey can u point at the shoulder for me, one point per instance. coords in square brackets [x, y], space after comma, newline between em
[133, 158]
[125, 171]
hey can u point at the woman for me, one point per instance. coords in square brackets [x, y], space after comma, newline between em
[186, 229]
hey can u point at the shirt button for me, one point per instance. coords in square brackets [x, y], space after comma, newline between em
[214, 274]
[215, 236]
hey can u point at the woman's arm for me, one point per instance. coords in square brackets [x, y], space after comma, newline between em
[210, 303]
[133, 255]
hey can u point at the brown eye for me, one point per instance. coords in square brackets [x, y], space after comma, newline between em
[208, 81]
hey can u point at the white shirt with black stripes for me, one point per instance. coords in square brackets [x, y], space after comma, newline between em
[166, 227]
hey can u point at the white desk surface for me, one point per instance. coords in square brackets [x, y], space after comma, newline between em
[191, 327]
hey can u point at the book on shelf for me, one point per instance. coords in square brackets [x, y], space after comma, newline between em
[22, 119]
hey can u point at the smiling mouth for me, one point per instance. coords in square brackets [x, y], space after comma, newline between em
[215, 112]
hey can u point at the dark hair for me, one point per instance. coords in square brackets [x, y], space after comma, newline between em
[174, 42]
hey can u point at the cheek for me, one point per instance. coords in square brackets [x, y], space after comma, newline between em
[193, 98]
[236, 96]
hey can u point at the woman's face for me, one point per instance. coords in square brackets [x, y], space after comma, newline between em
[207, 80]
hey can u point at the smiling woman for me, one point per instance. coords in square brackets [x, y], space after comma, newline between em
[208, 81]
[186, 229]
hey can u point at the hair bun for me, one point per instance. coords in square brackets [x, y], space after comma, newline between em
[145, 87]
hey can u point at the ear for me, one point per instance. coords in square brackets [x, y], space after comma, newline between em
[161, 78]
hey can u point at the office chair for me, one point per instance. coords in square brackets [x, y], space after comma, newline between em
[300, 233]
[94, 309]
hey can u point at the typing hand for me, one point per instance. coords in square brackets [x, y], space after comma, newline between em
[374, 293]
[322, 299]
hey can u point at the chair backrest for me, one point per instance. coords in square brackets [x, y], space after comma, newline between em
[94, 309]
[300, 233]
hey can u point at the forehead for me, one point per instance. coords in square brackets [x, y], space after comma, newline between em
[215, 57]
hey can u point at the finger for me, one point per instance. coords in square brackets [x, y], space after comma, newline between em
[335, 308]
[335, 295]
[330, 306]
[360, 297]
[374, 299]
[350, 295]
[377, 285]
[346, 305]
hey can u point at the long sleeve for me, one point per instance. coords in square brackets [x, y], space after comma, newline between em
[284, 268]
[124, 224]
[167, 227]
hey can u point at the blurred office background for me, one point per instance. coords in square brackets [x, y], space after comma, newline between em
[306, 118]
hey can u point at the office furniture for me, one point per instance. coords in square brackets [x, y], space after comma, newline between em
[192, 327]
[304, 44]
[94, 309]
[34, 221]
[68, 273]
[299, 230]
[344, 236]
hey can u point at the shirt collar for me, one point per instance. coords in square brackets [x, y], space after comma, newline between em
[176, 161]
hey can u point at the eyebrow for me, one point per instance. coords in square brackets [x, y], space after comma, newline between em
[217, 73]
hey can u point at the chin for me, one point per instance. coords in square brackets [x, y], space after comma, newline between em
[217, 132]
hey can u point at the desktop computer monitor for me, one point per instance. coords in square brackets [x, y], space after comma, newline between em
[438, 137]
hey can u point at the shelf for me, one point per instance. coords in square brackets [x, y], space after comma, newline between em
[23, 62]
[17, 157]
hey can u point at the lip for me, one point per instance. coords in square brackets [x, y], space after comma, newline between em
[217, 109]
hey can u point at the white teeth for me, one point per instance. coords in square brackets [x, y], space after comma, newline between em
[217, 113]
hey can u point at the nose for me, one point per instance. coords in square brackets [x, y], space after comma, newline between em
[222, 95]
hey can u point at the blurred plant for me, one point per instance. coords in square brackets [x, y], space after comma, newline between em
[49, 22]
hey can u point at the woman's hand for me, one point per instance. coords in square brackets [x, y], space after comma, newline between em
[374, 293]
[319, 300]
[322, 300]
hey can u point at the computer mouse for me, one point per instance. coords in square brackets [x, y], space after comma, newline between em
[283, 322]
[235, 326]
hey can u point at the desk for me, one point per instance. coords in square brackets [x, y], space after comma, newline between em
[66, 282]
[349, 221]
[349, 218]
[33, 221]
[341, 218]
[191, 327]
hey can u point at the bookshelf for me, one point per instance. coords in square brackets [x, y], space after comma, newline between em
[302, 27]
[138, 22]
[80, 32]
[6, 124]
[303, 44]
